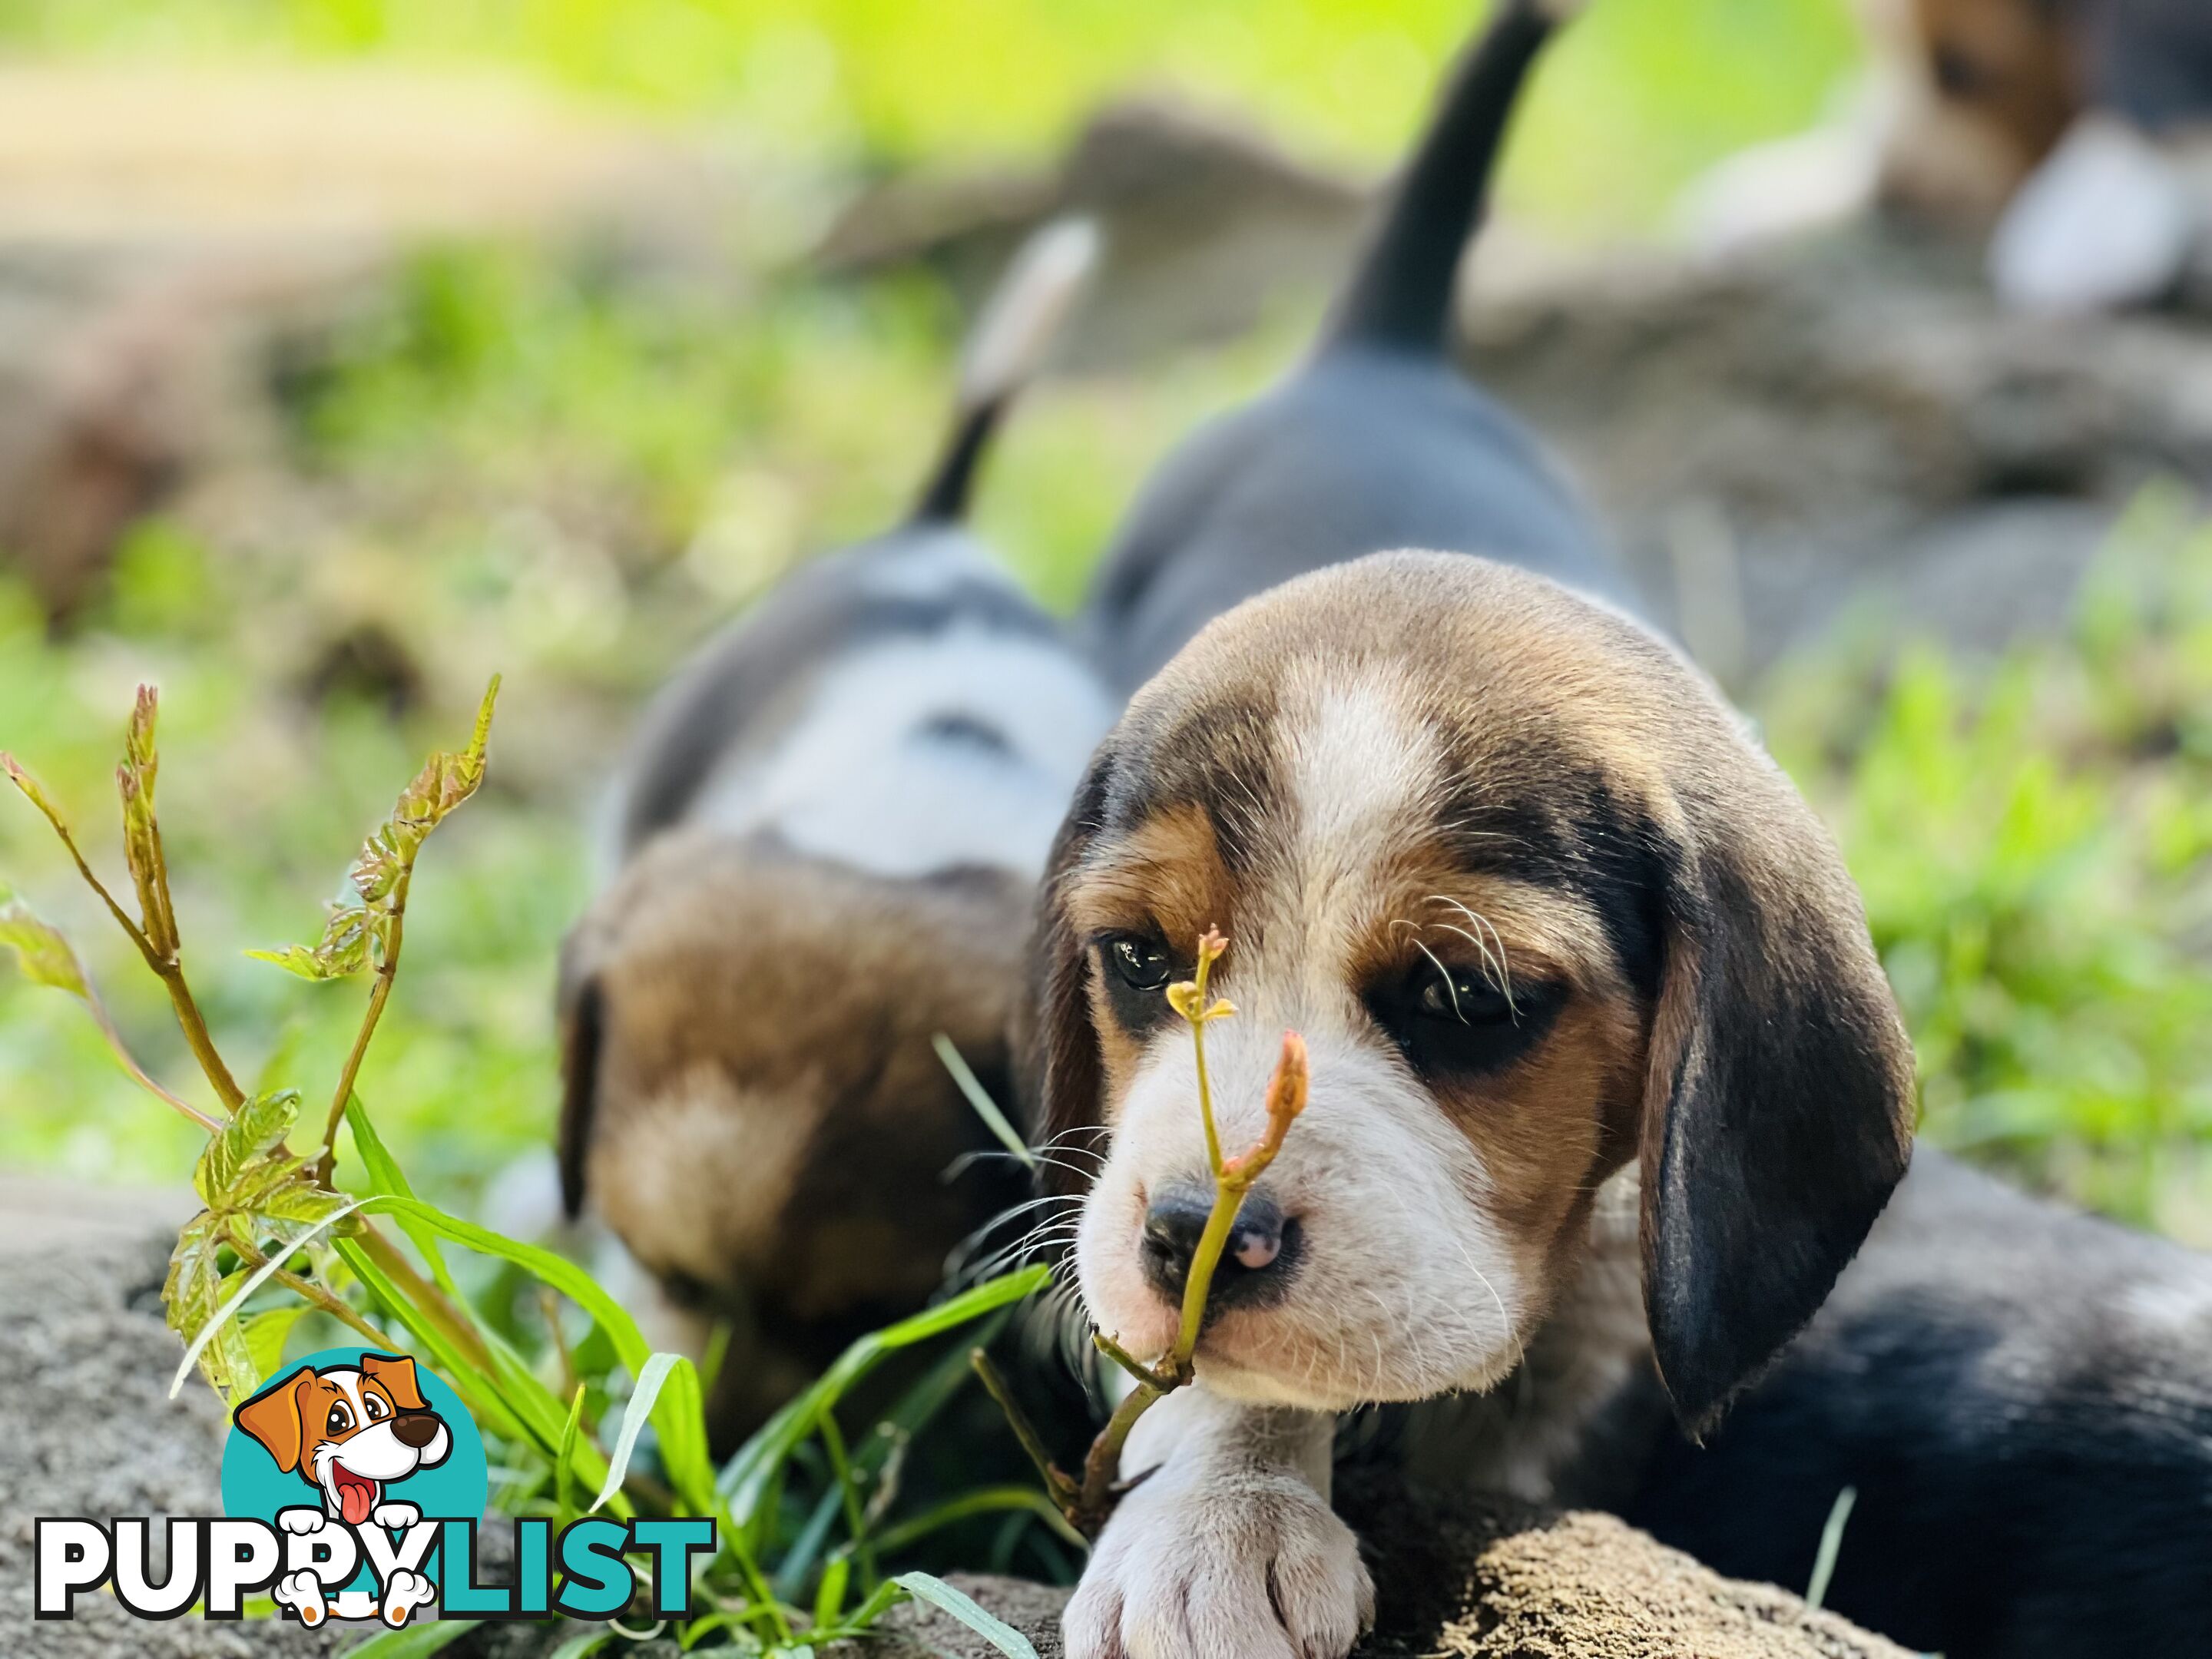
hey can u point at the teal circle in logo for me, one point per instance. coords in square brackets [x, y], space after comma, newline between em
[333, 1432]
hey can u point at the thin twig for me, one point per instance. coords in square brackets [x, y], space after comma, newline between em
[315, 1295]
[1088, 1504]
[379, 994]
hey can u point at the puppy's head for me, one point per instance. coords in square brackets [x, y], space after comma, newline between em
[753, 1098]
[348, 1431]
[1539, 908]
[1988, 89]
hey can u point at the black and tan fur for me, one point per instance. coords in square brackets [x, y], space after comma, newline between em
[832, 823]
[1552, 926]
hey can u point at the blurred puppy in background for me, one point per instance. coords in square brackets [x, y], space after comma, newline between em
[2082, 129]
[2076, 134]
[831, 827]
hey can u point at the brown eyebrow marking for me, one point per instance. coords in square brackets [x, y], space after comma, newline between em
[1167, 873]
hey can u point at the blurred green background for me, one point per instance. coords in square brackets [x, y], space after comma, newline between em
[517, 460]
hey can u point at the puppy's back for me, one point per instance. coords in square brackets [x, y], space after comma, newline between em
[2023, 1399]
[1378, 442]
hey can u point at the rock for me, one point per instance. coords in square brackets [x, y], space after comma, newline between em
[1485, 1579]
[1779, 435]
[85, 1363]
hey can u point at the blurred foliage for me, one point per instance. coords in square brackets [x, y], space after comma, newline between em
[571, 472]
[2034, 841]
[1641, 95]
[514, 465]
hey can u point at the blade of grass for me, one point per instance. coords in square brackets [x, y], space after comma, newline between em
[988, 1500]
[642, 1399]
[747, 1478]
[979, 1098]
[1831, 1546]
[996, 1631]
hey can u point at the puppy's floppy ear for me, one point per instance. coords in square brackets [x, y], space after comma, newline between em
[396, 1374]
[1055, 1047]
[1778, 1101]
[581, 1015]
[276, 1417]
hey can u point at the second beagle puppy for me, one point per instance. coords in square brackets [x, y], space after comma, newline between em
[832, 828]
[1542, 912]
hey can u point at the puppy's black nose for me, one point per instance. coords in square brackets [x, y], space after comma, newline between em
[415, 1429]
[1255, 1263]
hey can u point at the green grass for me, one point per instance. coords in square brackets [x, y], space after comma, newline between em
[2034, 841]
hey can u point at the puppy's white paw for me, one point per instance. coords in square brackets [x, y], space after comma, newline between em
[1244, 1564]
[393, 1516]
[302, 1592]
[404, 1592]
[301, 1520]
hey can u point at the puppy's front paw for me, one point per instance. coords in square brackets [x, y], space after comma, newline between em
[395, 1517]
[404, 1592]
[302, 1592]
[301, 1520]
[1200, 1564]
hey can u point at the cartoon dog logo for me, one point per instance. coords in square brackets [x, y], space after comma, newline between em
[349, 1432]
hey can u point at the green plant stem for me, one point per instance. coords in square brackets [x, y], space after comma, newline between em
[1122, 1357]
[1101, 1464]
[989, 1500]
[453, 1324]
[196, 1032]
[379, 994]
[315, 1295]
[1063, 1491]
[856, 1516]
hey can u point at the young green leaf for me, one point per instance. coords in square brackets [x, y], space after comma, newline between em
[361, 930]
[265, 1334]
[193, 1296]
[141, 831]
[43, 952]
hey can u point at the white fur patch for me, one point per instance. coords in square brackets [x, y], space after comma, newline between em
[2167, 1306]
[882, 771]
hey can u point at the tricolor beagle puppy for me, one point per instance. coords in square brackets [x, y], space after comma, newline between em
[2066, 123]
[1541, 909]
[1607, 1085]
[832, 826]
[350, 1432]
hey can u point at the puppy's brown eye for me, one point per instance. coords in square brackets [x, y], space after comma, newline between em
[1462, 995]
[1454, 1024]
[340, 1419]
[1142, 964]
[374, 1408]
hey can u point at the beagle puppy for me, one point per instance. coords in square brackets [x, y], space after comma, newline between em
[1589, 996]
[2068, 126]
[832, 828]
[350, 1432]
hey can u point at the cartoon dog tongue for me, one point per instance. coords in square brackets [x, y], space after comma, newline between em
[357, 1497]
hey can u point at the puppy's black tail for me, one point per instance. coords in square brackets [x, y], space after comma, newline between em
[1005, 350]
[1401, 294]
